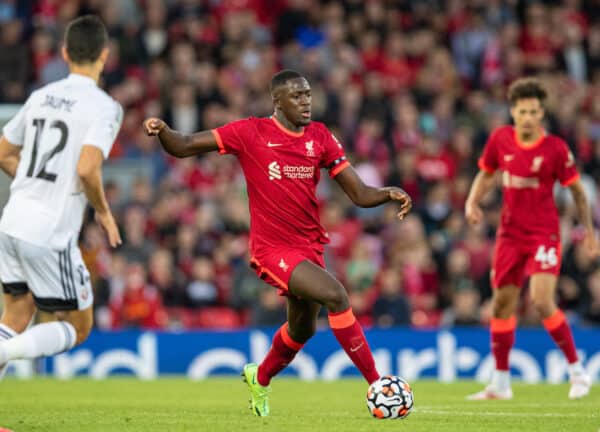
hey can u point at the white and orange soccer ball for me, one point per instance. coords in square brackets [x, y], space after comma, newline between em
[390, 397]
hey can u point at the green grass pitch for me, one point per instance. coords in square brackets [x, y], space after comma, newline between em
[215, 405]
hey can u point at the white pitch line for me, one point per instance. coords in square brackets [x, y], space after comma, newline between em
[501, 414]
[512, 404]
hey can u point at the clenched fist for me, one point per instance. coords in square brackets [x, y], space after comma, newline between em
[153, 126]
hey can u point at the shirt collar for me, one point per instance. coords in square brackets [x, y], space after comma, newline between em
[81, 79]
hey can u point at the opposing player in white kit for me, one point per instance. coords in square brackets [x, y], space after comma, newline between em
[54, 148]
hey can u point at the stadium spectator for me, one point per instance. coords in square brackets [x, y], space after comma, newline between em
[141, 304]
[391, 307]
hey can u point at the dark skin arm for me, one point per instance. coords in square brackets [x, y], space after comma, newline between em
[367, 196]
[181, 146]
[177, 144]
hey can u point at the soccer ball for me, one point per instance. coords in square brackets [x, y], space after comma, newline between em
[390, 397]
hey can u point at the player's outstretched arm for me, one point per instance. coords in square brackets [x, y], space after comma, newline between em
[178, 144]
[89, 170]
[481, 185]
[585, 217]
[368, 196]
[10, 155]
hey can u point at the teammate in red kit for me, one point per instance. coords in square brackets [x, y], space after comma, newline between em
[528, 239]
[281, 157]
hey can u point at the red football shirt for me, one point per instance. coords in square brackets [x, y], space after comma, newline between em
[528, 177]
[282, 169]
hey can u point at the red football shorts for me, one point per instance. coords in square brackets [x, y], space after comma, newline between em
[515, 259]
[275, 265]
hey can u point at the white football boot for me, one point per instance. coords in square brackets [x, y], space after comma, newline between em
[581, 385]
[492, 393]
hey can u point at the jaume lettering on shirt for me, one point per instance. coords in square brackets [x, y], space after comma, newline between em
[58, 102]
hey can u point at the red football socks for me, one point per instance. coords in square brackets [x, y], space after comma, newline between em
[503, 338]
[559, 329]
[349, 334]
[282, 352]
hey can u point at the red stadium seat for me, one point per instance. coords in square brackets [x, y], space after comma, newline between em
[217, 318]
[183, 316]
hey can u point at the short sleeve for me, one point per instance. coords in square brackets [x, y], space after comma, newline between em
[566, 169]
[14, 130]
[489, 159]
[231, 137]
[334, 157]
[104, 128]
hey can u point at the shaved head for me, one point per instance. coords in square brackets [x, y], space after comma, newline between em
[281, 78]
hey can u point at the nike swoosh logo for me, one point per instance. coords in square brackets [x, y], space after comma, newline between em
[270, 144]
[354, 349]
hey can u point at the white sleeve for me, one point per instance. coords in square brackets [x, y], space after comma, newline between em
[104, 128]
[14, 130]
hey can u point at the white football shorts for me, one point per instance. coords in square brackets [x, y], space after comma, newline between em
[58, 280]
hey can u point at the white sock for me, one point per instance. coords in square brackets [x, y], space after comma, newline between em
[40, 340]
[5, 333]
[501, 380]
[575, 368]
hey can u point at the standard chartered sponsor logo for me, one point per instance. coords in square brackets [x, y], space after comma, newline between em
[518, 182]
[274, 171]
[298, 172]
[293, 172]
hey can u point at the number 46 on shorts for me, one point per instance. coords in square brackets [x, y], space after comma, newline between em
[547, 258]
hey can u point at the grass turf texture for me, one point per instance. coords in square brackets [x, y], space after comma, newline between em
[214, 405]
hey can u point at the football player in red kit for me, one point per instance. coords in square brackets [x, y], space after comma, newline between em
[281, 157]
[528, 238]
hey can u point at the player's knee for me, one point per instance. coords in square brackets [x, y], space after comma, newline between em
[336, 298]
[21, 324]
[543, 305]
[499, 310]
[18, 313]
[502, 307]
[18, 323]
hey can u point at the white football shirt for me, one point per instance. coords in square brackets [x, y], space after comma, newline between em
[47, 202]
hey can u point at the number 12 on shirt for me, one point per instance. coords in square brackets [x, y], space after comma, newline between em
[60, 146]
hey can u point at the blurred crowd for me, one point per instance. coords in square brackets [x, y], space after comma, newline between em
[411, 87]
